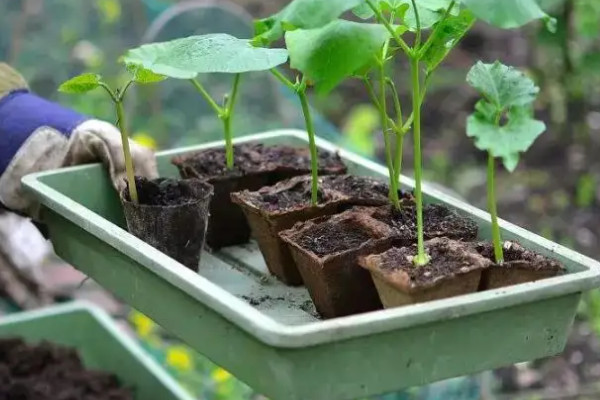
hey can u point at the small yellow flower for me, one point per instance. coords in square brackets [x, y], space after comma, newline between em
[145, 140]
[219, 375]
[144, 326]
[180, 358]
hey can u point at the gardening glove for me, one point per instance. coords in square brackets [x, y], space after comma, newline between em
[38, 135]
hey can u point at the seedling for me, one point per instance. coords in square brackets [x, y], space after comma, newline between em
[87, 82]
[213, 53]
[502, 125]
[327, 50]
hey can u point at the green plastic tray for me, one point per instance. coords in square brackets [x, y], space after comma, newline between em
[267, 334]
[100, 344]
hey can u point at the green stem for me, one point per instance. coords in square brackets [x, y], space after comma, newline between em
[314, 161]
[283, 79]
[226, 115]
[422, 258]
[122, 124]
[218, 110]
[437, 29]
[399, 132]
[371, 92]
[390, 28]
[411, 117]
[491, 194]
[418, 20]
[393, 193]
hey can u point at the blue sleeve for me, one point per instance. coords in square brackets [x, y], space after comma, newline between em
[22, 112]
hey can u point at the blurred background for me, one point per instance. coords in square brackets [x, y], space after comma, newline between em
[554, 192]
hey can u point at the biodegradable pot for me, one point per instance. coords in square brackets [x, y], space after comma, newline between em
[454, 269]
[326, 252]
[438, 221]
[520, 266]
[172, 216]
[255, 166]
[273, 209]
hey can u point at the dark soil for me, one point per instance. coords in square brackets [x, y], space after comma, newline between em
[331, 238]
[253, 158]
[448, 258]
[515, 252]
[162, 192]
[287, 195]
[438, 221]
[295, 193]
[365, 189]
[50, 372]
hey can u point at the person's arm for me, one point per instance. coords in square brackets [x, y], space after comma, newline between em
[37, 135]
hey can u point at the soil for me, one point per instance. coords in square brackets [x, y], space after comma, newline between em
[162, 192]
[296, 193]
[448, 258]
[331, 238]
[50, 372]
[438, 221]
[287, 195]
[252, 158]
[515, 252]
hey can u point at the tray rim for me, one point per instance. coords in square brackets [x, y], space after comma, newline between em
[276, 334]
[106, 323]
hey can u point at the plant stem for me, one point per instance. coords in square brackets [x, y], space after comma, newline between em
[122, 124]
[393, 192]
[390, 28]
[226, 115]
[283, 79]
[422, 258]
[206, 96]
[418, 20]
[314, 161]
[399, 132]
[491, 195]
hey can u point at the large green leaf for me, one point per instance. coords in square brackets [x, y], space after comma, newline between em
[185, 58]
[300, 14]
[329, 54]
[508, 140]
[502, 85]
[447, 36]
[506, 14]
[81, 83]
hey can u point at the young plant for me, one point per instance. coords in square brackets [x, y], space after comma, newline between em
[185, 58]
[447, 22]
[502, 125]
[87, 82]
[323, 48]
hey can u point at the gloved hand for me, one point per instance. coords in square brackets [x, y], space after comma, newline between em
[38, 135]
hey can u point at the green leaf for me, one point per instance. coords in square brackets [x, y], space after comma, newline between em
[447, 36]
[81, 84]
[329, 54]
[509, 140]
[430, 12]
[300, 14]
[363, 10]
[142, 75]
[507, 14]
[502, 85]
[213, 53]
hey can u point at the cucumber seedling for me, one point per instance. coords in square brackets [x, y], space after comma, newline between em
[502, 125]
[86, 82]
[187, 57]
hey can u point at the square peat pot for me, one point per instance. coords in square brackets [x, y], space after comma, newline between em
[100, 344]
[268, 335]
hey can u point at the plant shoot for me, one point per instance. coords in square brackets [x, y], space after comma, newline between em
[86, 82]
[185, 58]
[502, 125]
